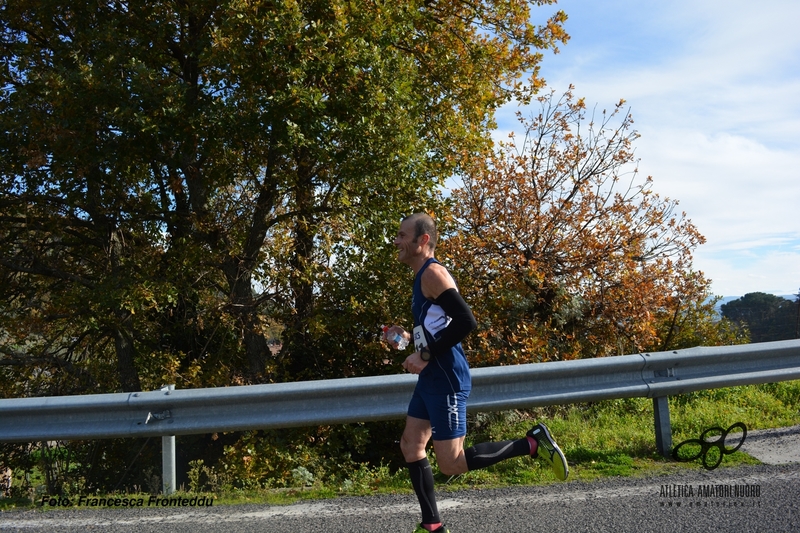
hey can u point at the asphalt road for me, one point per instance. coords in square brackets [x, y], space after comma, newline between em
[752, 498]
[762, 498]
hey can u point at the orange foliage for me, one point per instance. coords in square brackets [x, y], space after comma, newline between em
[561, 249]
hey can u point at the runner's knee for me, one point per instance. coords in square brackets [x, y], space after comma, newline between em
[411, 449]
[448, 469]
[451, 465]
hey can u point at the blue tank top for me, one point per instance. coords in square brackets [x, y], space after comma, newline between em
[447, 372]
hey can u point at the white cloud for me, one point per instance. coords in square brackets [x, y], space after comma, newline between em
[756, 269]
[713, 87]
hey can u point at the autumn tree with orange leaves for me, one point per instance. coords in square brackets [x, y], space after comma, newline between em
[565, 252]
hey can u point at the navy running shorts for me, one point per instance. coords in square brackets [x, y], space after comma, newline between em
[447, 413]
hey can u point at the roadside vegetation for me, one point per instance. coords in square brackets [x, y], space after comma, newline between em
[604, 439]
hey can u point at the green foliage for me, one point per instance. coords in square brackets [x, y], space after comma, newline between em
[83, 467]
[367, 479]
[694, 322]
[300, 457]
[759, 407]
[203, 478]
[177, 177]
[178, 180]
[616, 437]
[766, 317]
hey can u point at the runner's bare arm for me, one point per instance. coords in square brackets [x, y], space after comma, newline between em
[440, 283]
[435, 280]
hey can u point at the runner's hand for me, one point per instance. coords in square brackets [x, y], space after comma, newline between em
[414, 363]
[395, 330]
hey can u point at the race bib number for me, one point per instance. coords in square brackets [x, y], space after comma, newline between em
[419, 338]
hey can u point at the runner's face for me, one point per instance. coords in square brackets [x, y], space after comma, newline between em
[407, 246]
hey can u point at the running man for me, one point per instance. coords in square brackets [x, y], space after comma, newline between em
[442, 319]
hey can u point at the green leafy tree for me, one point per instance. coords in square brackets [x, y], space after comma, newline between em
[767, 317]
[178, 179]
[694, 321]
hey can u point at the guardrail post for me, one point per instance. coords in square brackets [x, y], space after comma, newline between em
[168, 476]
[663, 425]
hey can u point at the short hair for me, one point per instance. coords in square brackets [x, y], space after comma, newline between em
[424, 224]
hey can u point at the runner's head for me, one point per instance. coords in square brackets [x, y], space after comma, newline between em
[416, 240]
[423, 224]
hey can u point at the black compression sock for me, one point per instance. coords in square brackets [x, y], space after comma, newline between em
[422, 481]
[489, 453]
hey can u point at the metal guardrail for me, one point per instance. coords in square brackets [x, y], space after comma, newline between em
[338, 401]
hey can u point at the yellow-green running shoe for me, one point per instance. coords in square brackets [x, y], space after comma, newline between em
[548, 451]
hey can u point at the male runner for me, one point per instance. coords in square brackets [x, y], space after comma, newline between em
[438, 406]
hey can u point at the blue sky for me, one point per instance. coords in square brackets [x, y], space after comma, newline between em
[714, 89]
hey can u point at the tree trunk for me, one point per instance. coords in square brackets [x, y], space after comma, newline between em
[301, 349]
[128, 376]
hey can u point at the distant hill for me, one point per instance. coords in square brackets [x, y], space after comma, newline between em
[726, 299]
[768, 317]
